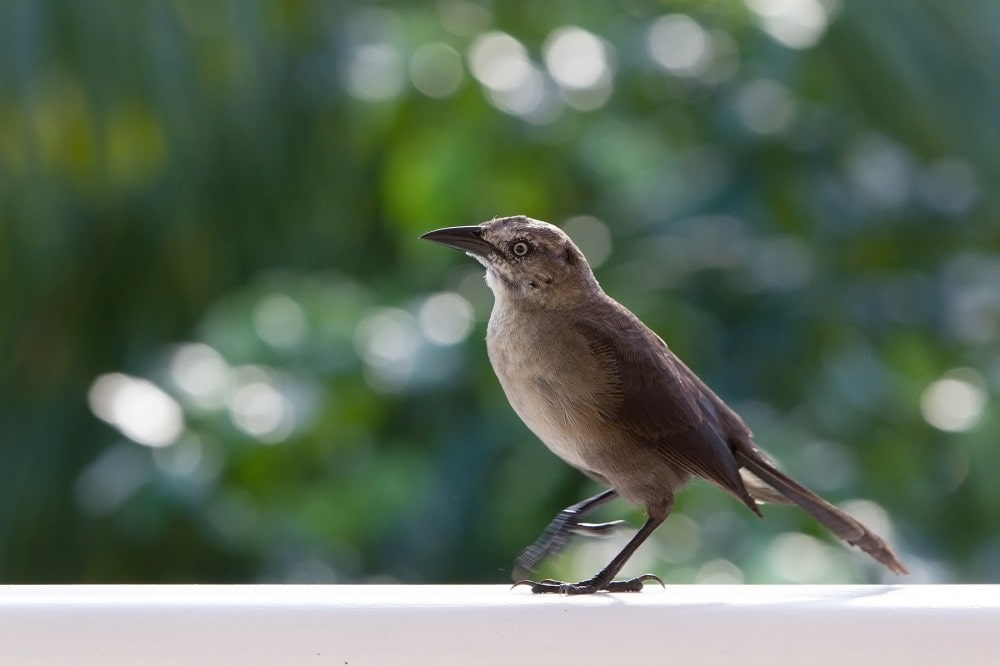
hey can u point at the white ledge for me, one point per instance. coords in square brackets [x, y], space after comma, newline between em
[357, 625]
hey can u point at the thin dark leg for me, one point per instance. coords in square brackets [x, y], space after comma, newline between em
[604, 580]
[556, 535]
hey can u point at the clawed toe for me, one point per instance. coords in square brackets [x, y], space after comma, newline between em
[589, 586]
[634, 584]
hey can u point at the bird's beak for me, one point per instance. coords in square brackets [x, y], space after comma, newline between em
[467, 239]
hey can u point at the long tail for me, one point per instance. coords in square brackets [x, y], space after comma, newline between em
[835, 520]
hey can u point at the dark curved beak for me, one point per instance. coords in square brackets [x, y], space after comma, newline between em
[466, 239]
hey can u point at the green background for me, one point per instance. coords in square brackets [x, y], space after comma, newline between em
[215, 207]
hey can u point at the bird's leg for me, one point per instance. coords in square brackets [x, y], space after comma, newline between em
[604, 580]
[556, 535]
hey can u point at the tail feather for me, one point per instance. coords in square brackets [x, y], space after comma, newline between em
[835, 520]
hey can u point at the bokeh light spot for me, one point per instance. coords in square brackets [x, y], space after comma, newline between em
[679, 44]
[259, 409]
[580, 63]
[279, 321]
[955, 402]
[514, 83]
[200, 372]
[592, 237]
[576, 58]
[971, 297]
[871, 514]
[949, 185]
[499, 61]
[784, 263]
[181, 459]
[436, 70]
[463, 17]
[765, 107]
[798, 24]
[374, 72]
[826, 465]
[800, 558]
[142, 411]
[110, 480]
[678, 539]
[388, 342]
[880, 171]
[446, 319]
[718, 572]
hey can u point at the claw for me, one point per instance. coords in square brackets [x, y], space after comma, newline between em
[596, 529]
[634, 584]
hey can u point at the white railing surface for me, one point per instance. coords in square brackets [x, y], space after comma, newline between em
[360, 625]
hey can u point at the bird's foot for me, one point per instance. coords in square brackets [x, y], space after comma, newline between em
[555, 538]
[589, 586]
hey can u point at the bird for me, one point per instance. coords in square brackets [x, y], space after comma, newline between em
[607, 395]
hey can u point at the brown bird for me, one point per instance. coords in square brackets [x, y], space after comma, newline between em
[607, 395]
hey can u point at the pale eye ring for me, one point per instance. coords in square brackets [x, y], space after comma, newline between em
[520, 248]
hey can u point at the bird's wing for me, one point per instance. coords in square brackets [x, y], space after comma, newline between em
[661, 402]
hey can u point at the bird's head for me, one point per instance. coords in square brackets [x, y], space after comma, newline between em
[527, 261]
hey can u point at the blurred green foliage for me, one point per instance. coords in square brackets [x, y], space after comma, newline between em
[208, 238]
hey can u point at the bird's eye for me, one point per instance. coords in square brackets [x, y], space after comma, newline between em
[520, 248]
